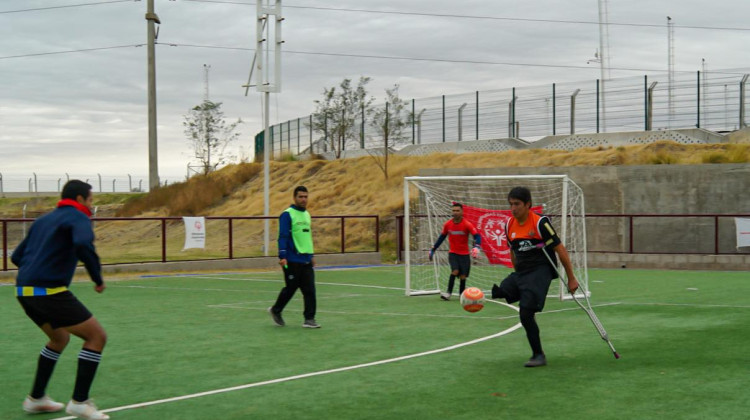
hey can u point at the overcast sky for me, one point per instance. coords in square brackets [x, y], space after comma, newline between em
[85, 113]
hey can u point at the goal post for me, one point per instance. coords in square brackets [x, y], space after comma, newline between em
[427, 206]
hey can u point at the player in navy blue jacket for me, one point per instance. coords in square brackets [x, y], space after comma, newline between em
[46, 261]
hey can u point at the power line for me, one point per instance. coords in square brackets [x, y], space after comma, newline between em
[441, 15]
[386, 57]
[69, 51]
[63, 7]
[370, 56]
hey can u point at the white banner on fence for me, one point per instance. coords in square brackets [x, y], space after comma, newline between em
[743, 232]
[195, 232]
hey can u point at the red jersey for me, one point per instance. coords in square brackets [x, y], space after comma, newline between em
[458, 235]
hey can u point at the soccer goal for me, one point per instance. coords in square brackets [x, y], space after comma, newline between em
[427, 206]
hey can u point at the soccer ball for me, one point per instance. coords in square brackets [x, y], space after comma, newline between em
[472, 299]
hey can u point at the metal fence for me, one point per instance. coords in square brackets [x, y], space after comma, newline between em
[160, 239]
[102, 183]
[709, 234]
[714, 100]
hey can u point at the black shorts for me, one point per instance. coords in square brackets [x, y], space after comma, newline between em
[59, 310]
[529, 288]
[462, 263]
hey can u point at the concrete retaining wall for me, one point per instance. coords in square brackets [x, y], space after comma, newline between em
[654, 189]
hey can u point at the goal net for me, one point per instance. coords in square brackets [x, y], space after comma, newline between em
[427, 206]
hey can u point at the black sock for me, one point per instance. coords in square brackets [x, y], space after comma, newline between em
[497, 292]
[451, 281]
[532, 330]
[88, 361]
[45, 366]
[462, 286]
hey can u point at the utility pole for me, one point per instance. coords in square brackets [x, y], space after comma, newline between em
[206, 69]
[153, 161]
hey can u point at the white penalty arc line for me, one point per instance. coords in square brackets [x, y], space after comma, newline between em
[311, 374]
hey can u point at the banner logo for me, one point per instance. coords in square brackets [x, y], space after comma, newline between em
[490, 225]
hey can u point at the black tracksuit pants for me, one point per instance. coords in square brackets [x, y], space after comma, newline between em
[298, 276]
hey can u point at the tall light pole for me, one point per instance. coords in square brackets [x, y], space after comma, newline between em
[704, 92]
[265, 84]
[153, 161]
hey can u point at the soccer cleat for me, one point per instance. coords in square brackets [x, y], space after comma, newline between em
[310, 323]
[85, 410]
[41, 405]
[536, 361]
[445, 296]
[277, 319]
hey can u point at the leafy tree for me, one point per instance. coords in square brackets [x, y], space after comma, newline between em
[389, 122]
[337, 114]
[209, 135]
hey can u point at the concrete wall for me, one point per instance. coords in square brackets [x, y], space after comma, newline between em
[654, 189]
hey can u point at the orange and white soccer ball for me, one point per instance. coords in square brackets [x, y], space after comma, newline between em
[472, 299]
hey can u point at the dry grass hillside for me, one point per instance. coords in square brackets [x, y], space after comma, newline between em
[358, 186]
[342, 187]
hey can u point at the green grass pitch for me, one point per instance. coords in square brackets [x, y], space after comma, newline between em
[683, 337]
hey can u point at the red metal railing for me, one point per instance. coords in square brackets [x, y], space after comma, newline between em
[230, 234]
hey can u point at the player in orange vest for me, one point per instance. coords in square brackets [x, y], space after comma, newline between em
[529, 235]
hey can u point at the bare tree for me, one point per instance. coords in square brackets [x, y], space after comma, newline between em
[389, 123]
[336, 115]
[209, 135]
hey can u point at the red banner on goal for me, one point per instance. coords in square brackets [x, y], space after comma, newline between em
[491, 227]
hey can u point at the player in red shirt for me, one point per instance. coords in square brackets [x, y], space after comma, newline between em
[457, 230]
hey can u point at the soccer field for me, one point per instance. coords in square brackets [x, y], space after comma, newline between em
[203, 347]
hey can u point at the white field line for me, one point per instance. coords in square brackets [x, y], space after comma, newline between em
[413, 315]
[317, 282]
[692, 305]
[311, 374]
[274, 292]
[577, 308]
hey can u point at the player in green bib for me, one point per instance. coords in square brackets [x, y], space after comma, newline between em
[296, 258]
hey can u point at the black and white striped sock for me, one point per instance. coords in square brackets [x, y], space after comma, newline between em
[45, 367]
[88, 361]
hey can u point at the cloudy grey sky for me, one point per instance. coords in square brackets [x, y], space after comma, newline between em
[84, 113]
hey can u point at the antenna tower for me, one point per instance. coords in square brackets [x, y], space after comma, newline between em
[670, 67]
[604, 55]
